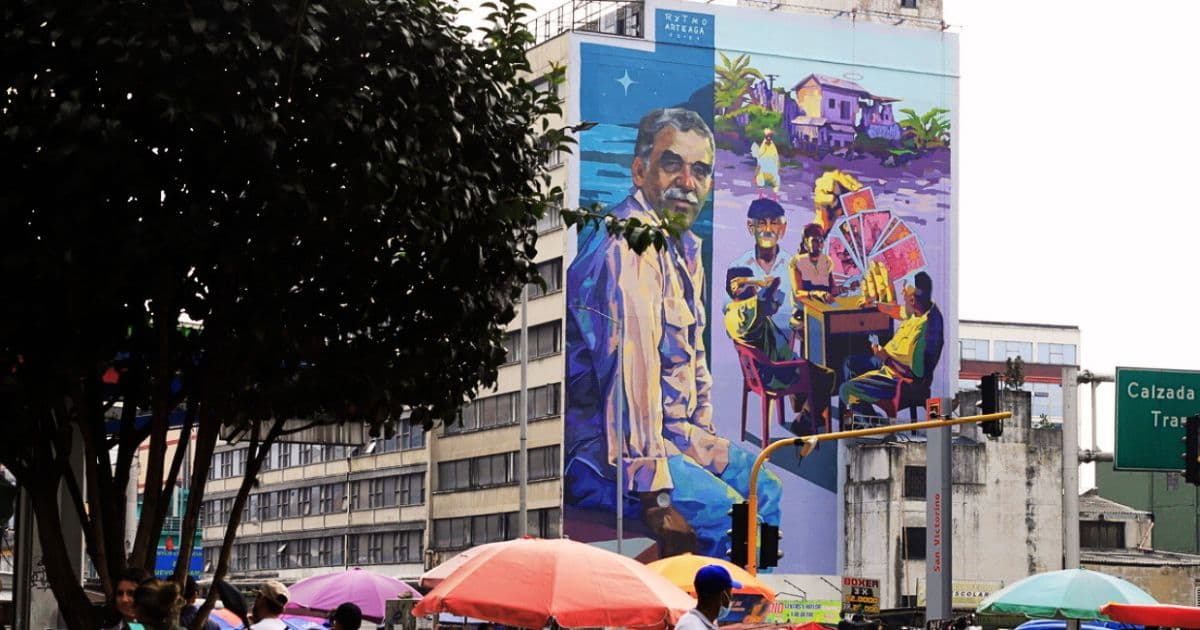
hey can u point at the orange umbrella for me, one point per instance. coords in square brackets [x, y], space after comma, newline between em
[681, 570]
[434, 576]
[528, 582]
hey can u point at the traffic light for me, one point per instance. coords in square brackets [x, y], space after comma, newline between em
[1191, 450]
[989, 402]
[738, 532]
[769, 553]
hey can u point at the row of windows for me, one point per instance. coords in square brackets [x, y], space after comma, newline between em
[327, 498]
[468, 531]
[498, 469]
[501, 410]
[1046, 398]
[544, 340]
[325, 551]
[227, 464]
[1049, 353]
[551, 272]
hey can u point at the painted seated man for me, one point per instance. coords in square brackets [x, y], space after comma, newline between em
[636, 356]
[874, 377]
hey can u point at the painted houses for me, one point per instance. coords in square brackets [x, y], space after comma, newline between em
[830, 112]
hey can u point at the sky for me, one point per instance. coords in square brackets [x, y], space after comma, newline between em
[1073, 130]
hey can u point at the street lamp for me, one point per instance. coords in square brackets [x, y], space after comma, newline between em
[620, 411]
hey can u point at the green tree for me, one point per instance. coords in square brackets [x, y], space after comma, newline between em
[928, 131]
[733, 79]
[1014, 373]
[344, 194]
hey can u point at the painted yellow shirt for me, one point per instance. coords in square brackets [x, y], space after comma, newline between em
[908, 346]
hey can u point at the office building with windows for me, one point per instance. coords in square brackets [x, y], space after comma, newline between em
[984, 347]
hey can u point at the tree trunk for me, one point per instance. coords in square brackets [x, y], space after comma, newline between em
[73, 604]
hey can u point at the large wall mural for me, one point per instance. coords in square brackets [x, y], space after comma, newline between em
[812, 159]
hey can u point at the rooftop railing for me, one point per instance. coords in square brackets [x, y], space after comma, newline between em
[624, 18]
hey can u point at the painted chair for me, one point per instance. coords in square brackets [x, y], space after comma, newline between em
[754, 364]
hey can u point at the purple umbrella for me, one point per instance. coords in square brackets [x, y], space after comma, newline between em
[324, 593]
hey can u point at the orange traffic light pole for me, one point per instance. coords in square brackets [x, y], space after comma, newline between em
[810, 442]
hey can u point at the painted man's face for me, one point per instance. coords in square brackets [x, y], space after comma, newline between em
[767, 232]
[677, 175]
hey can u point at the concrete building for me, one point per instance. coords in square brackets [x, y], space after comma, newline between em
[1173, 504]
[1006, 506]
[910, 13]
[1044, 348]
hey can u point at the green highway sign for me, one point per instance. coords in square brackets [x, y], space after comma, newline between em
[1151, 408]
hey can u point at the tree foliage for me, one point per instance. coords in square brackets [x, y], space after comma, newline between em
[344, 194]
[733, 79]
[928, 131]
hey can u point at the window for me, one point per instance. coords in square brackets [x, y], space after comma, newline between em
[973, 349]
[304, 503]
[1101, 535]
[1056, 353]
[375, 548]
[331, 498]
[908, 4]
[304, 552]
[353, 544]
[545, 523]
[543, 401]
[241, 557]
[543, 463]
[375, 498]
[832, 103]
[239, 467]
[491, 470]
[914, 543]
[544, 340]
[551, 273]
[285, 455]
[450, 533]
[306, 454]
[263, 555]
[411, 437]
[454, 475]
[488, 528]
[407, 546]
[325, 552]
[412, 489]
[226, 464]
[914, 482]
[285, 499]
[552, 220]
[1047, 400]
[266, 509]
[1012, 349]
[844, 110]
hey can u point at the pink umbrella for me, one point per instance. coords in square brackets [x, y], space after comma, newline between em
[369, 590]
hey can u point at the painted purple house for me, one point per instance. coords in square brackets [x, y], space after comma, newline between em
[832, 111]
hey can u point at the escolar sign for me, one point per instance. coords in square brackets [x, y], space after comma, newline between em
[1151, 407]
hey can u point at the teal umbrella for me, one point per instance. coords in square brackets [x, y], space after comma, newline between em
[1069, 594]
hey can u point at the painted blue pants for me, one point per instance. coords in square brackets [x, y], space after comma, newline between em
[703, 498]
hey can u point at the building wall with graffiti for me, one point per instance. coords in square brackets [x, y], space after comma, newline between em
[810, 160]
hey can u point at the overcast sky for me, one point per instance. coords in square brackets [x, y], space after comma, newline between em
[1076, 146]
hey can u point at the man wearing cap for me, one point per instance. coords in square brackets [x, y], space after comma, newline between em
[714, 599]
[871, 378]
[269, 601]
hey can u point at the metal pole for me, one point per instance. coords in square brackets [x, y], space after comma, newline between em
[938, 531]
[523, 455]
[349, 495]
[1070, 448]
[1095, 447]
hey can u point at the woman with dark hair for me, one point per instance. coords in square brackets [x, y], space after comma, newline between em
[123, 610]
[158, 603]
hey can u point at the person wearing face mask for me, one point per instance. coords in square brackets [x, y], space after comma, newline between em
[714, 599]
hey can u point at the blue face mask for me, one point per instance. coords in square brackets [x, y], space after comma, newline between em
[725, 610]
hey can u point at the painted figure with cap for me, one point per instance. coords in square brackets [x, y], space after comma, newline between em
[269, 600]
[714, 599]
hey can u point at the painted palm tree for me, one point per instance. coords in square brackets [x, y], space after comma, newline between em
[733, 80]
[929, 131]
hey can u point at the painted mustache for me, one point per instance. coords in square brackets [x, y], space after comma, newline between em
[675, 193]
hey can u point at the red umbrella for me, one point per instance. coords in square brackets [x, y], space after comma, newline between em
[434, 576]
[528, 582]
[1163, 615]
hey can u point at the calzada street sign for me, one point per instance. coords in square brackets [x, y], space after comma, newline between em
[1151, 408]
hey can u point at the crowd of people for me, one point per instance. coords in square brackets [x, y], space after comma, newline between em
[143, 602]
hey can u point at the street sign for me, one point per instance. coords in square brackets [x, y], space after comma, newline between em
[1150, 410]
[860, 595]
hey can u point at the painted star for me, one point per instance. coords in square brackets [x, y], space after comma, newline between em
[625, 82]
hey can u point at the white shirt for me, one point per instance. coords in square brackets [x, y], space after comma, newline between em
[695, 620]
[270, 623]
